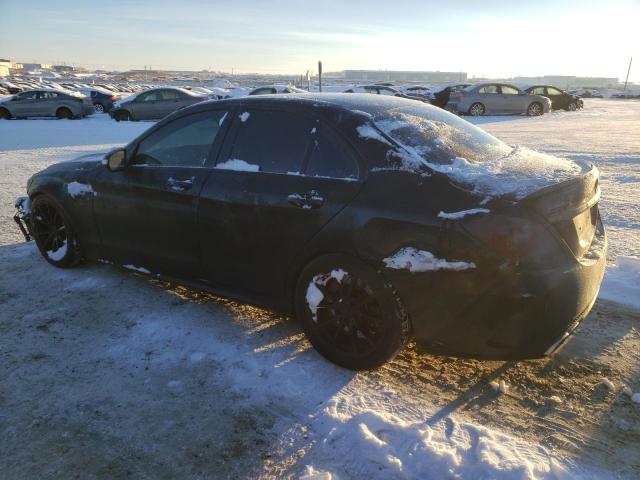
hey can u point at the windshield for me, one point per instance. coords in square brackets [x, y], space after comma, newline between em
[438, 136]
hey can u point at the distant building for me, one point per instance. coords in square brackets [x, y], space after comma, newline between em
[63, 68]
[5, 65]
[566, 82]
[29, 67]
[404, 76]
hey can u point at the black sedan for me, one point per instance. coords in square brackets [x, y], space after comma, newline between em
[369, 218]
[560, 100]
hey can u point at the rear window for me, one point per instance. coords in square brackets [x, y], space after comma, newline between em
[437, 136]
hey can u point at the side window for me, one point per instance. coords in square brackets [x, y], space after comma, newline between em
[538, 91]
[489, 89]
[168, 95]
[149, 97]
[48, 95]
[330, 157]
[553, 91]
[507, 90]
[273, 141]
[185, 142]
[27, 96]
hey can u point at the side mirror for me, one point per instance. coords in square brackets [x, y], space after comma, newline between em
[115, 160]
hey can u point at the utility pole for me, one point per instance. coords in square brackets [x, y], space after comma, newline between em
[320, 76]
[627, 79]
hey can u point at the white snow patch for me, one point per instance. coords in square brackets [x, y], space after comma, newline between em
[375, 444]
[462, 213]
[137, 269]
[627, 391]
[314, 295]
[244, 116]
[609, 384]
[635, 398]
[196, 357]
[23, 204]
[238, 165]
[500, 386]
[221, 121]
[77, 189]
[174, 383]
[621, 282]
[58, 254]
[416, 260]
[313, 474]
[367, 131]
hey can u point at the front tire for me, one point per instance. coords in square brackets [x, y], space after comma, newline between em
[122, 116]
[64, 113]
[535, 109]
[477, 110]
[4, 114]
[349, 313]
[98, 108]
[53, 233]
[572, 107]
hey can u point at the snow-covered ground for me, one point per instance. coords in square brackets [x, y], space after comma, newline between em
[108, 374]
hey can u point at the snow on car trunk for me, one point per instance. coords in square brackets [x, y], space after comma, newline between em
[469, 156]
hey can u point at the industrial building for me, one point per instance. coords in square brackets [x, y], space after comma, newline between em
[404, 76]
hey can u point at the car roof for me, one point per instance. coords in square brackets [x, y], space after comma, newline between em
[361, 104]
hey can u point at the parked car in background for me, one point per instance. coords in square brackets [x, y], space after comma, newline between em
[497, 98]
[12, 88]
[4, 91]
[420, 92]
[273, 89]
[587, 93]
[102, 99]
[381, 90]
[356, 217]
[153, 104]
[560, 100]
[46, 103]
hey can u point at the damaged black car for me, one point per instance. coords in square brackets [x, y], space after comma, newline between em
[371, 219]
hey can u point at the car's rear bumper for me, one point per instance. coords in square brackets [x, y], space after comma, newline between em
[498, 313]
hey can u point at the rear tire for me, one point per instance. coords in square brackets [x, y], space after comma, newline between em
[535, 109]
[4, 114]
[359, 322]
[64, 113]
[53, 233]
[98, 108]
[477, 110]
[572, 107]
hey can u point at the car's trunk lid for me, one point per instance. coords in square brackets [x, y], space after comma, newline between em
[571, 207]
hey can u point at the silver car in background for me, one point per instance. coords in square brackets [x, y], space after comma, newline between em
[46, 102]
[497, 98]
[154, 103]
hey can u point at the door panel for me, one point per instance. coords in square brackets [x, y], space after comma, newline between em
[253, 225]
[146, 213]
[146, 216]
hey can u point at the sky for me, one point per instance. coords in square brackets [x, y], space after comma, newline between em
[481, 37]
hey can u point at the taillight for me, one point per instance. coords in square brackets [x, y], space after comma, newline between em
[113, 98]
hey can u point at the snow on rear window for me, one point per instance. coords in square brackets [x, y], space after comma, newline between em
[470, 156]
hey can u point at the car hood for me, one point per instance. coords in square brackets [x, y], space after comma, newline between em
[77, 165]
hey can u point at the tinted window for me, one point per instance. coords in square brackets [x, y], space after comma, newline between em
[27, 96]
[169, 95]
[183, 142]
[507, 90]
[148, 97]
[274, 141]
[264, 91]
[330, 157]
[489, 89]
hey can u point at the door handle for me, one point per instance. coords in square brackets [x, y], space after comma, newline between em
[180, 185]
[311, 199]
